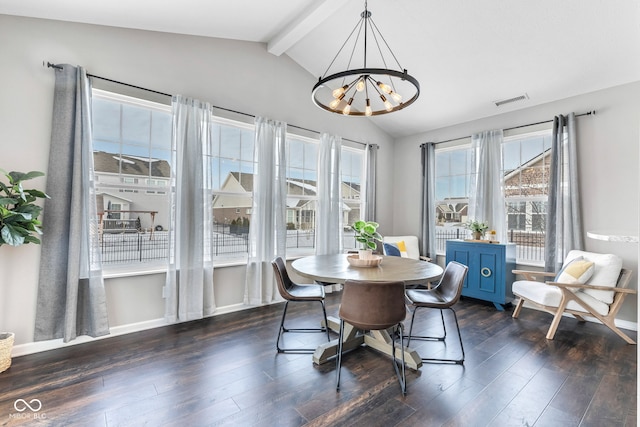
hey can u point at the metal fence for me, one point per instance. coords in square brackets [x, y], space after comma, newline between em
[134, 247]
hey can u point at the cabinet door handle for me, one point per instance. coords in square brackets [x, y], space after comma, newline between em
[486, 272]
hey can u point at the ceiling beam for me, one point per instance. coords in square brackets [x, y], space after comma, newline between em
[303, 25]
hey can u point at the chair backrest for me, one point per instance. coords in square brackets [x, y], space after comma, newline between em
[450, 286]
[372, 305]
[282, 278]
[606, 272]
[410, 242]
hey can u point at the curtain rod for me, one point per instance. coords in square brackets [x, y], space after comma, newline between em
[588, 113]
[59, 67]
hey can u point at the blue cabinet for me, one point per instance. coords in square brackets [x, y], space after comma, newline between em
[490, 269]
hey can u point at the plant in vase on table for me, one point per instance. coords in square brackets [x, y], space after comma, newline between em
[477, 228]
[366, 233]
[18, 226]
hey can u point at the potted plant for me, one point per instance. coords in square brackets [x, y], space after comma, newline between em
[18, 211]
[19, 225]
[477, 228]
[366, 233]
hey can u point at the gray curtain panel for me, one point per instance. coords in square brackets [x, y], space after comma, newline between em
[428, 226]
[71, 297]
[564, 218]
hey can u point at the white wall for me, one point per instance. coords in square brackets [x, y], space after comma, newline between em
[608, 157]
[238, 75]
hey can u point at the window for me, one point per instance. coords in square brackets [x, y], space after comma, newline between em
[132, 146]
[526, 186]
[132, 155]
[302, 193]
[352, 165]
[526, 182]
[232, 168]
[453, 181]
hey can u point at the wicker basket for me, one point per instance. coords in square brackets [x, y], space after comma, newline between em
[6, 344]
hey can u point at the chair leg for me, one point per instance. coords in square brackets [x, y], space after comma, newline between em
[339, 358]
[518, 307]
[425, 338]
[282, 330]
[401, 374]
[455, 317]
[556, 319]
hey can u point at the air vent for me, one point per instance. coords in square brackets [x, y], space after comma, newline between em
[510, 100]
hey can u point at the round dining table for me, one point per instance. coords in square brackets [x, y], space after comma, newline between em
[337, 269]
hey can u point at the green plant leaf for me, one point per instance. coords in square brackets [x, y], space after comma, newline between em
[11, 235]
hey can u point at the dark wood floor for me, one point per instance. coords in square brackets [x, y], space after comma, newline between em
[225, 371]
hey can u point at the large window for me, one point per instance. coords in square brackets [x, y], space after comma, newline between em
[526, 181]
[526, 186]
[453, 180]
[132, 152]
[132, 155]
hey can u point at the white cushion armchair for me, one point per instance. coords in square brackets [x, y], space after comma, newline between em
[588, 284]
[409, 243]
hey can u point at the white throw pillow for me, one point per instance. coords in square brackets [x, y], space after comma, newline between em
[578, 270]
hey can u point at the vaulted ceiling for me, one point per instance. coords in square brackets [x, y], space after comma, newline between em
[465, 54]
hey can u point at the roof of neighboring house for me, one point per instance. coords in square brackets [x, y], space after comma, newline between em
[131, 165]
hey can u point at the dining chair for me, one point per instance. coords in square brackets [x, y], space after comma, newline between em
[294, 292]
[374, 306]
[442, 296]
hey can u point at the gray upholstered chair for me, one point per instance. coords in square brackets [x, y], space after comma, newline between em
[293, 292]
[442, 296]
[373, 306]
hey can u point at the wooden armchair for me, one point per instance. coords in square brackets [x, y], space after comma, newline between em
[601, 297]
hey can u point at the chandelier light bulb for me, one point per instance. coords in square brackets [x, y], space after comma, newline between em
[367, 109]
[396, 97]
[347, 108]
[384, 87]
[387, 104]
[334, 104]
[340, 91]
[360, 85]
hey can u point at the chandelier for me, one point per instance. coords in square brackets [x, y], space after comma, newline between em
[365, 91]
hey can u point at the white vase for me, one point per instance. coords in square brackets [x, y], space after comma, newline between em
[365, 254]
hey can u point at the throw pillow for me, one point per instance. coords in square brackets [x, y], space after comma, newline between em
[578, 270]
[390, 249]
[402, 248]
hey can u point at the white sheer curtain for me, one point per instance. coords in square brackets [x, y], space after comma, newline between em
[371, 152]
[71, 294]
[329, 214]
[564, 218]
[267, 230]
[486, 201]
[189, 283]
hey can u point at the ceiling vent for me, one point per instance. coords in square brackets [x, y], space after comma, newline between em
[510, 100]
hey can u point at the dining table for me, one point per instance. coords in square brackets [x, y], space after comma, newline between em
[337, 269]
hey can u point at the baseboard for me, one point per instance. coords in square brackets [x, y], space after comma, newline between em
[40, 346]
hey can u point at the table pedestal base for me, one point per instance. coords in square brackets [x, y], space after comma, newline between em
[378, 340]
